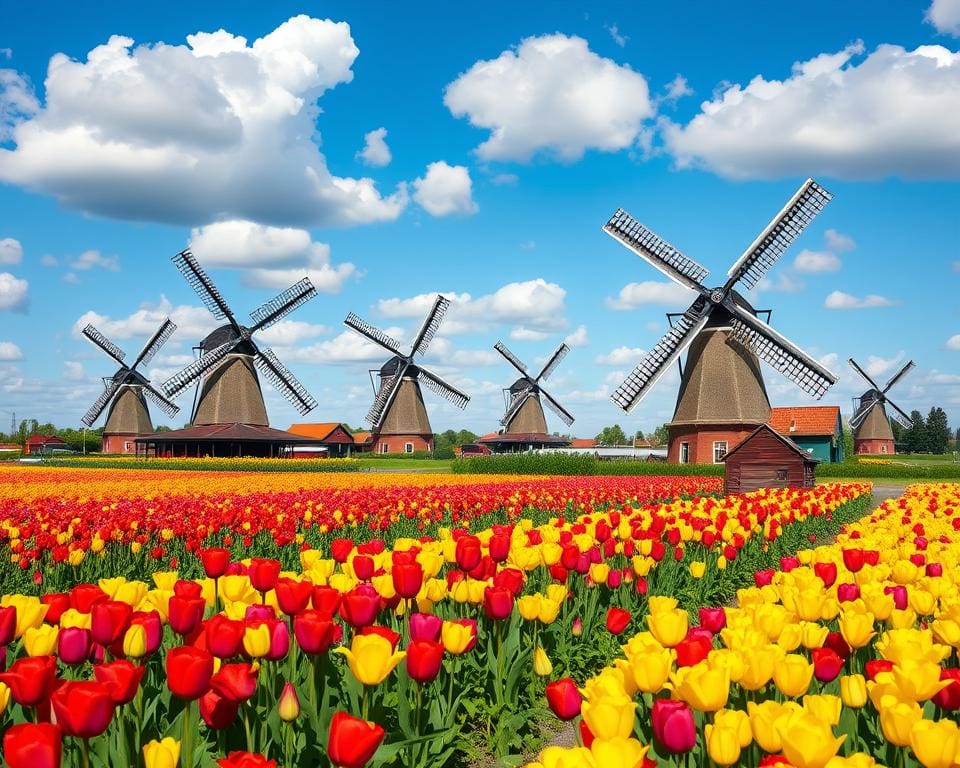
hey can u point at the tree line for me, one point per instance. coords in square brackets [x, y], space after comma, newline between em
[925, 435]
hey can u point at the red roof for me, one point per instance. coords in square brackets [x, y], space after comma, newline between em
[235, 432]
[324, 431]
[583, 442]
[805, 420]
[45, 440]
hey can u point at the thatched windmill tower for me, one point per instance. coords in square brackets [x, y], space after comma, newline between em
[398, 415]
[722, 395]
[127, 392]
[871, 422]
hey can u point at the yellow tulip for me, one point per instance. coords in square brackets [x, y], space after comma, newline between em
[30, 612]
[4, 697]
[723, 744]
[371, 658]
[697, 569]
[904, 619]
[561, 757]
[135, 641]
[669, 627]
[384, 586]
[456, 637]
[918, 680]
[557, 593]
[549, 610]
[809, 604]
[791, 637]
[616, 753]
[541, 662]
[808, 742]
[661, 604]
[236, 588]
[40, 641]
[73, 618]
[650, 669]
[771, 620]
[936, 744]
[792, 675]
[947, 631]
[921, 602]
[853, 691]
[739, 721]
[763, 719]
[856, 760]
[609, 717]
[256, 641]
[131, 593]
[824, 706]
[436, 589]
[897, 719]
[599, 573]
[704, 689]
[165, 580]
[161, 754]
[813, 635]
[529, 606]
[904, 572]
[732, 661]
[758, 666]
[857, 629]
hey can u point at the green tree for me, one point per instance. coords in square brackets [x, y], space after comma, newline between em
[848, 449]
[612, 436]
[915, 436]
[639, 435]
[660, 436]
[937, 431]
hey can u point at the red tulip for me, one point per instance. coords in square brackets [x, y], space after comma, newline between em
[264, 572]
[468, 552]
[586, 735]
[424, 658]
[673, 725]
[185, 613]
[385, 632]
[313, 631]
[152, 627]
[764, 577]
[121, 678]
[109, 619]
[326, 600]
[899, 593]
[359, 607]
[789, 563]
[497, 603]
[827, 573]
[246, 760]
[407, 579]
[224, 636]
[847, 592]
[215, 561]
[258, 613]
[184, 588]
[217, 711]
[189, 670]
[853, 559]
[826, 664]
[236, 682]
[564, 698]
[617, 620]
[352, 742]
[83, 708]
[30, 679]
[73, 645]
[949, 697]
[692, 650]
[8, 623]
[836, 642]
[934, 570]
[425, 626]
[340, 549]
[363, 567]
[875, 666]
[499, 547]
[32, 745]
[84, 596]
[57, 603]
[293, 596]
[511, 579]
[713, 619]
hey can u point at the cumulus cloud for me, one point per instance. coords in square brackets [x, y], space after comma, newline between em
[193, 323]
[783, 282]
[841, 300]
[838, 242]
[271, 257]
[445, 189]
[578, 338]
[618, 37]
[345, 348]
[73, 371]
[188, 134]
[528, 334]
[647, 292]
[375, 151]
[9, 352]
[945, 16]
[289, 332]
[92, 259]
[892, 113]
[11, 252]
[551, 95]
[816, 261]
[621, 356]
[14, 296]
[17, 102]
[954, 343]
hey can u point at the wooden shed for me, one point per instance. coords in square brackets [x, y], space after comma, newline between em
[766, 459]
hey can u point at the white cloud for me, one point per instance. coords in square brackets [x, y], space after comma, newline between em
[289, 332]
[73, 371]
[636, 295]
[375, 151]
[193, 323]
[11, 252]
[273, 257]
[619, 38]
[838, 242]
[782, 283]
[893, 113]
[90, 259]
[17, 102]
[533, 304]
[49, 261]
[528, 334]
[945, 16]
[190, 133]
[621, 356]
[578, 338]
[9, 352]
[877, 366]
[346, 347]
[954, 343]
[445, 189]
[13, 293]
[812, 262]
[551, 95]
[841, 300]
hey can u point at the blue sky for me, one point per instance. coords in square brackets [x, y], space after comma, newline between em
[391, 152]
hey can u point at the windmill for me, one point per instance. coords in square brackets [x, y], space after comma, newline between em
[398, 415]
[871, 422]
[524, 414]
[230, 357]
[127, 391]
[722, 395]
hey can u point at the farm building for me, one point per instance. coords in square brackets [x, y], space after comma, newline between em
[221, 441]
[40, 443]
[767, 459]
[815, 428]
[334, 440]
[518, 442]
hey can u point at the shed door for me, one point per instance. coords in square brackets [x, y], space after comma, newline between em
[755, 476]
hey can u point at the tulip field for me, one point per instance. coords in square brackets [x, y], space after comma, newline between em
[249, 619]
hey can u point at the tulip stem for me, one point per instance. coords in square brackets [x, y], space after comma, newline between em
[246, 727]
[84, 753]
[186, 757]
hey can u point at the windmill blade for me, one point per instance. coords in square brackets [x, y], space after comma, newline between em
[863, 373]
[374, 334]
[173, 386]
[779, 352]
[896, 378]
[899, 415]
[779, 234]
[516, 403]
[663, 355]
[553, 362]
[558, 409]
[860, 416]
[281, 306]
[658, 252]
[169, 408]
[156, 341]
[283, 381]
[511, 358]
[437, 385]
[430, 326]
[104, 343]
[201, 283]
[389, 385]
[93, 413]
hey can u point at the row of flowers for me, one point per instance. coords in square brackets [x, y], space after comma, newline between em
[422, 654]
[847, 655]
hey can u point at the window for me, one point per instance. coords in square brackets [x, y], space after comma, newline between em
[684, 453]
[781, 474]
[719, 450]
[384, 448]
[408, 447]
[883, 448]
